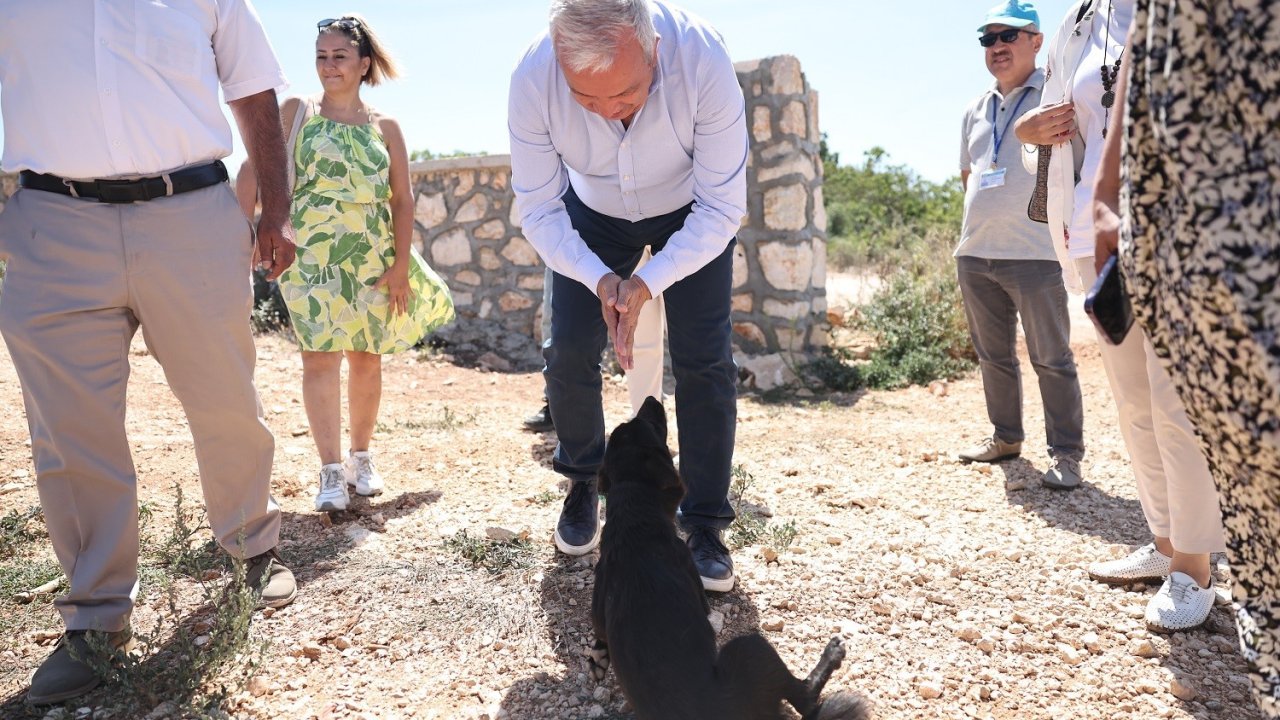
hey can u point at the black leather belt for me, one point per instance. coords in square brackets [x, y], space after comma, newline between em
[127, 191]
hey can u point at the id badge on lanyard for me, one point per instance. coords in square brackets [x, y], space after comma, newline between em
[995, 176]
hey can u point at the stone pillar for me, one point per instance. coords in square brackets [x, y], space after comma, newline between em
[779, 295]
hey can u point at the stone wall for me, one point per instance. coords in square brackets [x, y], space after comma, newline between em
[466, 226]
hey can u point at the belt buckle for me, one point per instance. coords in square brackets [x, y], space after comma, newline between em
[118, 192]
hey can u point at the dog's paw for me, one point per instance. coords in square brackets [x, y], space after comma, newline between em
[834, 652]
[598, 657]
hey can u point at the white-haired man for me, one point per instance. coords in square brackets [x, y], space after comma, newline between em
[628, 130]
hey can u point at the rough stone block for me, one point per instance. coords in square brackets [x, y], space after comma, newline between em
[751, 333]
[462, 299]
[512, 301]
[474, 209]
[501, 180]
[795, 165]
[489, 259]
[819, 279]
[740, 271]
[787, 267]
[430, 211]
[486, 308]
[793, 121]
[820, 306]
[789, 340]
[468, 277]
[466, 181]
[513, 217]
[744, 303]
[786, 310]
[492, 230]
[767, 371]
[786, 207]
[819, 337]
[532, 281]
[762, 123]
[782, 148]
[819, 210]
[784, 70]
[451, 248]
[815, 133]
[520, 252]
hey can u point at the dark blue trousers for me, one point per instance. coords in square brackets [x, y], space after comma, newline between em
[698, 333]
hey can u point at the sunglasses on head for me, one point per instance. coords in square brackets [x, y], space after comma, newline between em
[1005, 36]
[341, 23]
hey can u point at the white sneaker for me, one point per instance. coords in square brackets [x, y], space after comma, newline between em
[362, 474]
[1179, 604]
[333, 489]
[1146, 564]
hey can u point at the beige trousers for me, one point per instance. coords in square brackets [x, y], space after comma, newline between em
[81, 277]
[1177, 492]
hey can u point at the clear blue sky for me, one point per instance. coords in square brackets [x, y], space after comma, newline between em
[893, 74]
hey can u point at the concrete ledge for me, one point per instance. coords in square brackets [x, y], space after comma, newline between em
[467, 162]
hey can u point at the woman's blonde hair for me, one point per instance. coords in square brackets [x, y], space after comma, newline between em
[381, 65]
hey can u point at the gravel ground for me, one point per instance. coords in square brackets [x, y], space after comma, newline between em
[960, 590]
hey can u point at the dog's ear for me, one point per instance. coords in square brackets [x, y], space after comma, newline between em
[653, 413]
[602, 480]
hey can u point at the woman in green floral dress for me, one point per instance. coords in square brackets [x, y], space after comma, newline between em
[357, 289]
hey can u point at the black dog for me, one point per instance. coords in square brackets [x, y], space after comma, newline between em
[650, 613]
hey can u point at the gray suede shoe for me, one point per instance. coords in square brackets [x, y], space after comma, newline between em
[72, 669]
[991, 450]
[1064, 474]
[267, 575]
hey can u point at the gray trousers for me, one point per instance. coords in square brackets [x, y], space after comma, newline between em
[82, 276]
[996, 293]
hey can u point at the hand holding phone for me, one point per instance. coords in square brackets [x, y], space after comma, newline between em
[1107, 303]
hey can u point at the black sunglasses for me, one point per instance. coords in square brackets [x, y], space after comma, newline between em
[342, 23]
[1005, 36]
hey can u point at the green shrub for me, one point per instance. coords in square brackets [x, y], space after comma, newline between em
[919, 326]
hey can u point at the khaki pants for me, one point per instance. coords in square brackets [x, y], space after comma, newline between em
[81, 277]
[1177, 493]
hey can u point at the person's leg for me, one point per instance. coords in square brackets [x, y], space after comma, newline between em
[1037, 289]
[993, 320]
[645, 378]
[706, 411]
[364, 395]
[1195, 518]
[322, 399]
[65, 319]
[540, 421]
[188, 255]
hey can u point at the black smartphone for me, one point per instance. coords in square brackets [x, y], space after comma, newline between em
[1107, 303]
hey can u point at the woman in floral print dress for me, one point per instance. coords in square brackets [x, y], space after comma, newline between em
[1199, 244]
[357, 289]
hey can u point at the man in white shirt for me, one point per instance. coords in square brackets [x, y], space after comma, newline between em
[112, 120]
[1005, 262]
[628, 130]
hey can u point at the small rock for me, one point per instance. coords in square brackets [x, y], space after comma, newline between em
[930, 689]
[311, 650]
[201, 640]
[1182, 691]
[1213, 706]
[494, 362]
[341, 642]
[773, 625]
[835, 540]
[500, 534]
[268, 612]
[716, 618]
[1144, 649]
[769, 554]
[258, 686]
[969, 633]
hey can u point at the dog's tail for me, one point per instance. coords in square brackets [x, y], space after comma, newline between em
[844, 706]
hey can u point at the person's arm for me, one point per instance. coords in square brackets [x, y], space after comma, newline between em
[259, 120]
[1106, 186]
[247, 190]
[396, 279]
[966, 157]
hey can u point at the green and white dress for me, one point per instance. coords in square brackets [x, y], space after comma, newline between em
[342, 217]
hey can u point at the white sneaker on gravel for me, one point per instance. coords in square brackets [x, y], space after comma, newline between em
[362, 474]
[333, 489]
[1146, 564]
[1179, 604]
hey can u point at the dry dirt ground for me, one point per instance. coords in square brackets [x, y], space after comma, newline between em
[960, 590]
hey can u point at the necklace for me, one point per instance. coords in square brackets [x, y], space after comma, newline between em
[1109, 75]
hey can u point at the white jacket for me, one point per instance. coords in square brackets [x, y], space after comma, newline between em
[1066, 50]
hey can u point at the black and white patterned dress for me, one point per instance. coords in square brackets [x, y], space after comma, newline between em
[1200, 248]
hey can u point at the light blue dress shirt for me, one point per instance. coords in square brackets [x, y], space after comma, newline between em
[688, 143]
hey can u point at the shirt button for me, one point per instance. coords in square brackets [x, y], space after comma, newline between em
[626, 177]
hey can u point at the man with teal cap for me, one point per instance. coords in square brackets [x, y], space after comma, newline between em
[1005, 262]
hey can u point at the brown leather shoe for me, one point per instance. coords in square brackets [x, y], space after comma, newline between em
[72, 669]
[267, 575]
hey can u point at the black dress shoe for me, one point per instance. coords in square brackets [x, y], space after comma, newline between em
[578, 530]
[539, 421]
[711, 558]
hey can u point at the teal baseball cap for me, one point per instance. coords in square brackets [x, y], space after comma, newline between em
[1012, 13]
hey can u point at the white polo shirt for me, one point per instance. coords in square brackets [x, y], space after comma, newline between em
[688, 143]
[109, 88]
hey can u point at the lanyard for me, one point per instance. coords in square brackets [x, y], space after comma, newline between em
[1002, 134]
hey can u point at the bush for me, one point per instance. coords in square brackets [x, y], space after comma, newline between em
[920, 330]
